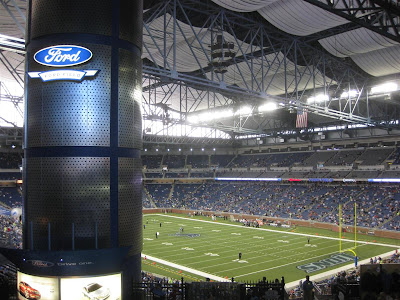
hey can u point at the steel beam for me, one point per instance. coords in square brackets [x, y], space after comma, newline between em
[20, 26]
[380, 16]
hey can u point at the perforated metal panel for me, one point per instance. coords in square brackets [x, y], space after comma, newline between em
[66, 113]
[130, 93]
[60, 16]
[34, 119]
[43, 205]
[130, 203]
[131, 22]
[69, 190]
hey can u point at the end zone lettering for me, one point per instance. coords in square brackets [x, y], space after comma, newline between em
[335, 259]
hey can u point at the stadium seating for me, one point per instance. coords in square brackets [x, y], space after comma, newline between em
[175, 175]
[375, 156]
[319, 158]
[10, 160]
[198, 161]
[378, 206]
[10, 175]
[203, 174]
[152, 161]
[344, 157]
[159, 193]
[174, 161]
[221, 161]
[11, 197]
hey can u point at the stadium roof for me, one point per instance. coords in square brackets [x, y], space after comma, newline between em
[209, 65]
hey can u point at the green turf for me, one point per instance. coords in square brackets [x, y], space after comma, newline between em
[162, 270]
[264, 253]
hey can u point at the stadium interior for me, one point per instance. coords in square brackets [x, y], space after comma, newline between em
[285, 112]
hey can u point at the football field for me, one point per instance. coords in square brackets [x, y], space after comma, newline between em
[213, 247]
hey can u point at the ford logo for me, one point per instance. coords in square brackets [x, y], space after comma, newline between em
[40, 263]
[63, 56]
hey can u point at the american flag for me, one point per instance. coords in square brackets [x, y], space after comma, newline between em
[301, 119]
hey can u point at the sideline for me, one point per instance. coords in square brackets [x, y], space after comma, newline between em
[328, 274]
[190, 270]
[276, 231]
[289, 285]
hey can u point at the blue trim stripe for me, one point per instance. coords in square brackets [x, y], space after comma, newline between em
[81, 152]
[114, 228]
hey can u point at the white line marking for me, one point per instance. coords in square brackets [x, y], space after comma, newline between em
[276, 231]
[200, 273]
[240, 261]
[211, 254]
[280, 266]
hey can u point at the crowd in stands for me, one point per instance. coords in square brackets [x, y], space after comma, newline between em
[10, 160]
[346, 163]
[377, 206]
[11, 197]
[10, 175]
[343, 157]
[8, 280]
[305, 174]
[11, 232]
[11, 228]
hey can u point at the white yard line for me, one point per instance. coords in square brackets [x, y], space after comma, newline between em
[289, 285]
[277, 231]
[288, 264]
[193, 271]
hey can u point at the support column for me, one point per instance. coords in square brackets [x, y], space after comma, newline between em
[83, 136]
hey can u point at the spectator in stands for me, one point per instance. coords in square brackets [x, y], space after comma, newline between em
[308, 289]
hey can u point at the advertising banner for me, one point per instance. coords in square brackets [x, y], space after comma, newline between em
[67, 263]
[96, 287]
[37, 287]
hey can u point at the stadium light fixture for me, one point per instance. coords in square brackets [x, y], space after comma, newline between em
[349, 94]
[193, 119]
[244, 110]
[210, 116]
[270, 106]
[318, 98]
[384, 88]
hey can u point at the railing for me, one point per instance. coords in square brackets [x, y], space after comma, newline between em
[273, 290]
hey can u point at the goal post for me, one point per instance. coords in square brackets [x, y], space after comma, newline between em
[340, 227]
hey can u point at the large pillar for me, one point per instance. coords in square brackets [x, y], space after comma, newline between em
[82, 170]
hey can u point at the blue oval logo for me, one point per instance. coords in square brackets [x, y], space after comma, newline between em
[62, 56]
